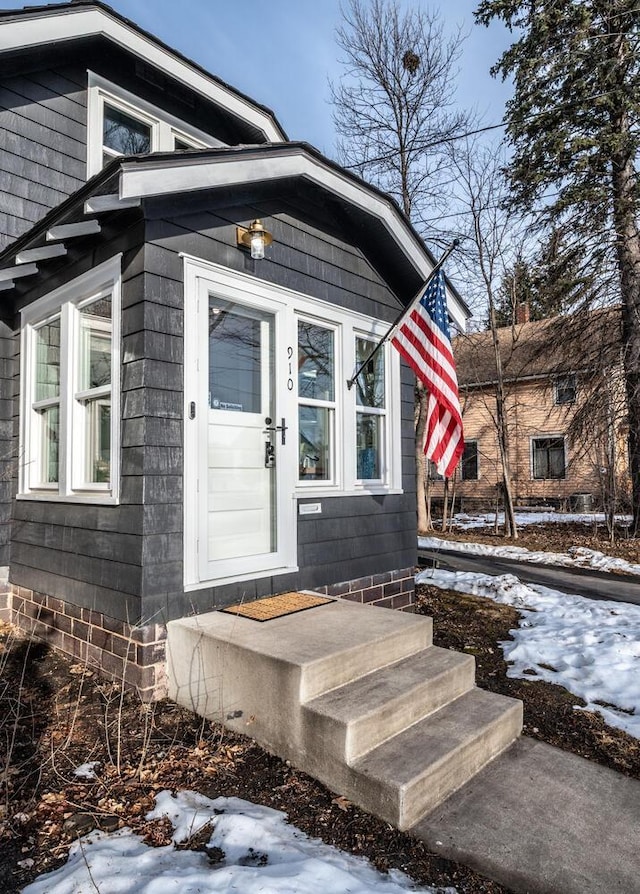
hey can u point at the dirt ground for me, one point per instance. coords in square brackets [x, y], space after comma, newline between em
[553, 537]
[56, 715]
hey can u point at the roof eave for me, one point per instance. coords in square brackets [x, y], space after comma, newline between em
[130, 180]
[39, 26]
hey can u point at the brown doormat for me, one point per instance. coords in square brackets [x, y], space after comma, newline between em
[276, 606]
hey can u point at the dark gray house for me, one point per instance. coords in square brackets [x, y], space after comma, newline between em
[177, 431]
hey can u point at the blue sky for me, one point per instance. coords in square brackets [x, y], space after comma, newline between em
[282, 52]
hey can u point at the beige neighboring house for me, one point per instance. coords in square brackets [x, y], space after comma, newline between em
[565, 410]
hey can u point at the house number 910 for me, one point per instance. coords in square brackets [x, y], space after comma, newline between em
[290, 379]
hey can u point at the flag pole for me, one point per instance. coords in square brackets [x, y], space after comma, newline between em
[405, 310]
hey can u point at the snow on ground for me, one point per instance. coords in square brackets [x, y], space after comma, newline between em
[462, 521]
[576, 556]
[591, 648]
[262, 853]
[86, 771]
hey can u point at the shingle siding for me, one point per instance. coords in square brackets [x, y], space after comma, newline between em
[43, 145]
[355, 535]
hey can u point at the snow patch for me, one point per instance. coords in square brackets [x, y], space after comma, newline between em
[591, 648]
[263, 854]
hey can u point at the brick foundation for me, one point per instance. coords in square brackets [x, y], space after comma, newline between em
[393, 589]
[120, 651]
[136, 655]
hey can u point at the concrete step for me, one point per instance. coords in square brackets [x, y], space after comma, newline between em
[411, 773]
[354, 695]
[255, 676]
[347, 722]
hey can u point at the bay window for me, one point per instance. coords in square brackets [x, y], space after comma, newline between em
[70, 394]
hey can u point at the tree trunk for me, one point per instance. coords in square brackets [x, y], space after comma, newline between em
[502, 432]
[628, 252]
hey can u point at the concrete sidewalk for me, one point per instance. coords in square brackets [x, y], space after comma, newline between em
[543, 821]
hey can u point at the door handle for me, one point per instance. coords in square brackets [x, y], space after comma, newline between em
[282, 428]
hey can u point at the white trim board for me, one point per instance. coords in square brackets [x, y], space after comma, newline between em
[140, 179]
[71, 24]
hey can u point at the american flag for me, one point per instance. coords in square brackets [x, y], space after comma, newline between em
[423, 339]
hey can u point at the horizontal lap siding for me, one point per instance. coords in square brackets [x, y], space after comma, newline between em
[152, 451]
[531, 413]
[43, 145]
[355, 535]
[127, 560]
[91, 555]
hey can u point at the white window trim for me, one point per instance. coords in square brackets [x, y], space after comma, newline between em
[382, 412]
[65, 301]
[333, 405]
[164, 127]
[544, 437]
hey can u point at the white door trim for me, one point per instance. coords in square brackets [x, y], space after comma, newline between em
[200, 278]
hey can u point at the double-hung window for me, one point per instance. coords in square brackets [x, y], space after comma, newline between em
[565, 389]
[70, 363]
[548, 458]
[347, 435]
[316, 402]
[469, 462]
[370, 413]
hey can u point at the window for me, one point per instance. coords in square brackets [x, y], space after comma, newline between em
[70, 394]
[565, 388]
[122, 124]
[316, 402]
[548, 458]
[370, 413]
[124, 134]
[469, 463]
[432, 471]
[181, 142]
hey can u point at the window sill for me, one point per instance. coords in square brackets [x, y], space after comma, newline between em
[312, 493]
[238, 578]
[90, 499]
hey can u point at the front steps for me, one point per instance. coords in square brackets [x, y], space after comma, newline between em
[354, 695]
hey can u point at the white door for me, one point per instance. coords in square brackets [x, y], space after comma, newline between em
[244, 517]
[241, 471]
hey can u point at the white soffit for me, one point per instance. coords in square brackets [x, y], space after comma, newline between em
[140, 179]
[72, 24]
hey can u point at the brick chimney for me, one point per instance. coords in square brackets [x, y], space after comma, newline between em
[523, 312]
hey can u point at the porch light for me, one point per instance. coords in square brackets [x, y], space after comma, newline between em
[255, 238]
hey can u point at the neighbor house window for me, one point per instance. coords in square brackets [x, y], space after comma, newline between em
[469, 463]
[565, 389]
[548, 458]
[122, 124]
[432, 471]
[69, 355]
[370, 413]
[316, 402]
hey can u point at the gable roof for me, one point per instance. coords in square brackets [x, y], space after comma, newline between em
[380, 228]
[541, 348]
[22, 30]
